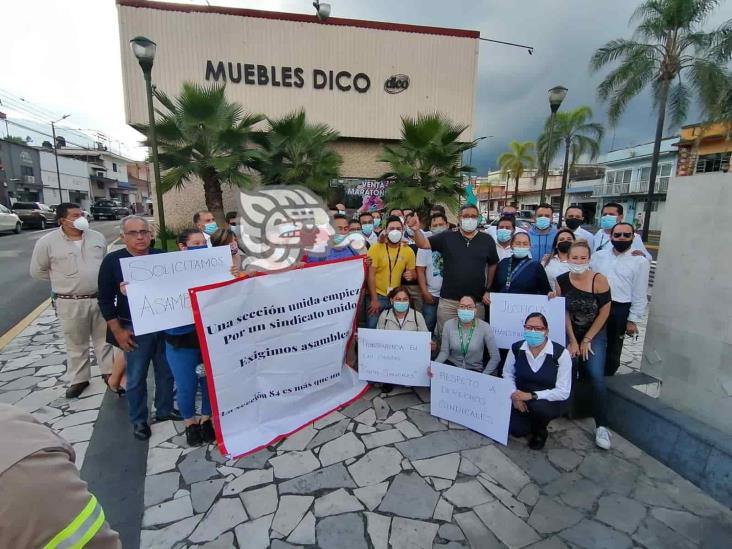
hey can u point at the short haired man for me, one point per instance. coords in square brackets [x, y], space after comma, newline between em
[429, 273]
[611, 214]
[469, 263]
[389, 261]
[337, 248]
[354, 226]
[542, 232]
[366, 219]
[507, 211]
[397, 212]
[139, 350]
[205, 222]
[627, 274]
[70, 258]
[574, 217]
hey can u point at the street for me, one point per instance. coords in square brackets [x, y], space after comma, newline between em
[20, 293]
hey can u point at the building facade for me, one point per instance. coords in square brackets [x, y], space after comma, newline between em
[704, 148]
[139, 175]
[107, 173]
[75, 183]
[21, 177]
[358, 77]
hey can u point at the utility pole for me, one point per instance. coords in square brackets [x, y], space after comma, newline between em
[55, 154]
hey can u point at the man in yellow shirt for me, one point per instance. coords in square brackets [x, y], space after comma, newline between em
[389, 261]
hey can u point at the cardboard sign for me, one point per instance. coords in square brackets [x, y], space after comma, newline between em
[509, 311]
[392, 356]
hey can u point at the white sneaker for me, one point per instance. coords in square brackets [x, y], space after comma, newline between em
[602, 438]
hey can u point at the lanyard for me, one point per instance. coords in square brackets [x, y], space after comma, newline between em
[602, 241]
[511, 273]
[465, 344]
[402, 322]
[396, 260]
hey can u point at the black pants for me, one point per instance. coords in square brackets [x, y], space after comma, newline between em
[533, 422]
[616, 326]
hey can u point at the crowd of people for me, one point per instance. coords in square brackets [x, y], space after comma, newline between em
[434, 277]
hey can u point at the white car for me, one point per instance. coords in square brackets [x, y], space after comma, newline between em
[9, 221]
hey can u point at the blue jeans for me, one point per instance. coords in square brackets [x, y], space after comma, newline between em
[183, 364]
[594, 368]
[429, 312]
[149, 348]
[372, 320]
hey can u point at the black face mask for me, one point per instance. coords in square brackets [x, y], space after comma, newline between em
[573, 224]
[622, 245]
[564, 246]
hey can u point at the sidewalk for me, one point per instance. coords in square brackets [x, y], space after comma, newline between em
[382, 473]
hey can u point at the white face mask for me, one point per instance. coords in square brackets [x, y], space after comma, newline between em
[81, 223]
[394, 236]
[469, 224]
[578, 268]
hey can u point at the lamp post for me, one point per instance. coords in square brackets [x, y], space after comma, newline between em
[144, 50]
[556, 96]
[470, 156]
[55, 154]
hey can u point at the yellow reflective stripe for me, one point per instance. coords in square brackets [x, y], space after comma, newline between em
[73, 525]
[91, 532]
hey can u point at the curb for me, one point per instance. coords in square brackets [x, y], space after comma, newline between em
[13, 332]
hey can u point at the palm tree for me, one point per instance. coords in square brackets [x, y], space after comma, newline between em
[579, 136]
[201, 134]
[426, 165]
[296, 152]
[516, 161]
[668, 48]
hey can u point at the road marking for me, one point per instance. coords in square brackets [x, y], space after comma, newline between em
[11, 334]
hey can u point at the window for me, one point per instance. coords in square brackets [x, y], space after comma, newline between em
[4, 210]
[114, 167]
[619, 176]
[717, 162]
[26, 170]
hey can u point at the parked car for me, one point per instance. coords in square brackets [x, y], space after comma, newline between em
[9, 221]
[110, 209]
[35, 214]
[524, 224]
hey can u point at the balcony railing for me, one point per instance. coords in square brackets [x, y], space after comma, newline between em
[611, 189]
[642, 186]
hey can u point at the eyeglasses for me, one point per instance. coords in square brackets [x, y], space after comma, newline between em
[619, 235]
[466, 307]
[534, 328]
[138, 234]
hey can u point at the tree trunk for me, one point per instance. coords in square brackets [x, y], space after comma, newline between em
[214, 197]
[654, 160]
[565, 177]
[515, 193]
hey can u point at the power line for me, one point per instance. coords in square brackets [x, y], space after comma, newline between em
[34, 130]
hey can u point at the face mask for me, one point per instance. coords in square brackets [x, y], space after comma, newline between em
[521, 252]
[438, 230]
[607, 222]
[573, 224]
[564, 246]
[469, 224]
[534, 339]
[203, 247]
[622, 245]
[367, 228]
[210, 228]
[394, 236]
[81, 223]
[543, 223]
[578, 268]
[466, 315]
[377, 222]
[401, 306]
[504, 235]
[339, 238]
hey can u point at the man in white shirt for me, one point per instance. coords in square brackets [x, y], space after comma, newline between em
[429, 274]
[204, 221]
[627, 274]
[612, 213]
[366, 219]
[574, 217]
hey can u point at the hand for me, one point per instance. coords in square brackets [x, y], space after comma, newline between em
[433, 346]
[573, 349]
[637, 252]
[125, 340]
[631, 328]
[586, 349]
[520, 405]
[545, 259]
[429, 372]
[234, 270]
[123, 288]
[428, 298]
[413, 222]
[299, 265]
[521, 396]
[551, 295]
[367, 261]
[409, 275]
[486, 298]
[374, 307]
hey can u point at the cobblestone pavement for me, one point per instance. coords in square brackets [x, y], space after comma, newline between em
[382, 473]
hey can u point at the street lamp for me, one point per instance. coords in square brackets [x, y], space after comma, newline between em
[55, 154]
[470, 157]
[556, 96]
[144, 50]
[322, 11]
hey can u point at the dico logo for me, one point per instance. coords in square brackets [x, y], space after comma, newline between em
[396, 83]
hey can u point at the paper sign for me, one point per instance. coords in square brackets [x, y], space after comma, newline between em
[477, 401]
[509, 311]
[159, 283]
[392, 356]
[274, 349]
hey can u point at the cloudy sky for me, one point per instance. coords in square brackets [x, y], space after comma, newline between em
[64, 56]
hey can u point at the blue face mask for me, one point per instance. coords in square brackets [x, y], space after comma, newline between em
[377, 222]
[367, 228]
[401, 306]
[210, 228]
[504, 235]
[466, 315]
[534, 339]
[196, 247]
[521, 252]
[607, 222]
[339, 238]
[543, 223]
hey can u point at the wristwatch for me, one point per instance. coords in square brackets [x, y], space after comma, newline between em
[534, 396]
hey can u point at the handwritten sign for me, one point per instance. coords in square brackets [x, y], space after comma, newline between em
[396, 357]
[159, 283]
[478, 401]
[509, 311]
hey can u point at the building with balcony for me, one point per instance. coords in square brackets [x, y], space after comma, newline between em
[139, 174]
[107, 172]
[704, 148]
[627, 176]
[75, 183]
[20, 174]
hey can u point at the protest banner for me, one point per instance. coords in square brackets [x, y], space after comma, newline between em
[158, 285]
[388, 356]
[478, 401]
[274, 347]
[509, 311]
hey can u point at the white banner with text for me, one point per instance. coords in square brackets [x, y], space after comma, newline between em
[274, 347]
[392, 356]
[509, 311]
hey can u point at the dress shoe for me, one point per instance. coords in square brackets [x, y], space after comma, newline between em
[76, 389]
[141, 430]
[207, 432]
[172, 416]
[538, 440]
